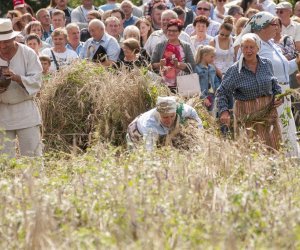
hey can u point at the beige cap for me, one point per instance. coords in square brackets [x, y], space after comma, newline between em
[166, 104]
[284, 5]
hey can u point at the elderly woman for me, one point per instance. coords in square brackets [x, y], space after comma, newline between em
[252, 82]
[19, 115]
[131, 55]
[173, 55]
[60, 56]
[200, 24]
[132, 31]
[162, 120]
[265, 26]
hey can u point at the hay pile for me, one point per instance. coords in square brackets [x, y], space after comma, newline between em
[85, 102]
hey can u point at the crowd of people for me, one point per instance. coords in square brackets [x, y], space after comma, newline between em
[244, 52]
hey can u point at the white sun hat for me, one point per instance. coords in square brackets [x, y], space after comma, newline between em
[6, 30]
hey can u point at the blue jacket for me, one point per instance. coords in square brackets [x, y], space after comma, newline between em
[207, 75]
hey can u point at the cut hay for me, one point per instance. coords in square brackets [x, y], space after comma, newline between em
[86, 102]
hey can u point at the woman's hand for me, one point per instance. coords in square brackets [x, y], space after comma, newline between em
[162, 62]
[278, 102]
[225, 118]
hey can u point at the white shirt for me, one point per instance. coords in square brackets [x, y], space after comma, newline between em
[293, 30]
[158, 36]
[17, 108]
[62, 59]
[282, 67]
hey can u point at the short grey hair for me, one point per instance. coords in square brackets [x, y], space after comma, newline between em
[169, 13]
[131, 29]
[72, 26]
[98, 23]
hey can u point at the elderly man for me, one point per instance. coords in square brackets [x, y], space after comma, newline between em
[289, 27]
[74, 38]
[79, 14]
[162, 120]
[160, 35]
[101, 47]
[19, 115]
[127, 8]
[203, 9]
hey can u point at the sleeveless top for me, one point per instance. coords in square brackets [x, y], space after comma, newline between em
[224, 58]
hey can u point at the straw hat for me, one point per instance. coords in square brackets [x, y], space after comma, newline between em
[6, 30]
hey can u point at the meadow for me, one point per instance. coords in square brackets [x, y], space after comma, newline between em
[218, 194]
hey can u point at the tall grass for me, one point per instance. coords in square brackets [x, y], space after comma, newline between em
[219, 195]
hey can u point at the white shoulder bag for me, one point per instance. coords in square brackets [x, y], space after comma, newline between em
[188, 85]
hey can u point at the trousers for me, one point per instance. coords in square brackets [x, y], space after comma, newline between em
[29, 142]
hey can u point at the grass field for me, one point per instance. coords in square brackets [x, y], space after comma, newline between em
[220, 195]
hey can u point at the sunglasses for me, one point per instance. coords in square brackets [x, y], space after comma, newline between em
[279, 11]
[274, 24]
[205, 9]
[220, 1]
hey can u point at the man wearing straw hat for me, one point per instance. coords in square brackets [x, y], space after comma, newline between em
[162, 120]
[20, 81]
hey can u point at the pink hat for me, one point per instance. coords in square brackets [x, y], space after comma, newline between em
[18, 3]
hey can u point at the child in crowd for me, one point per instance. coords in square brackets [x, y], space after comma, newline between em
[206, 70]
[33, 41]
[46, 63]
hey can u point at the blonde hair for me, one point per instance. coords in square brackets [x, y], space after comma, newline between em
[202, 50]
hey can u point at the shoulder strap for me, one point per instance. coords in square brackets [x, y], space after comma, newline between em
[55, 61]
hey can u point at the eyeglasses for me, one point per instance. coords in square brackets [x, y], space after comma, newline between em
[224, 35]
[205, 9]
[173, 31]
[222, 1]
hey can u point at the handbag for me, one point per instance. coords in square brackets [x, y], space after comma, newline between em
[188, 85]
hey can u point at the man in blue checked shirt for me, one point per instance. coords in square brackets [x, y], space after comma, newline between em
[101, 47]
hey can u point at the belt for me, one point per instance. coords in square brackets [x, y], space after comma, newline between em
[283, 83]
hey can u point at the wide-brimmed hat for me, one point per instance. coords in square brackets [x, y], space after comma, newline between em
[6, 29]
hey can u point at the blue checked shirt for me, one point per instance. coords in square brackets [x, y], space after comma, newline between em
[246, 85]
[110, 44]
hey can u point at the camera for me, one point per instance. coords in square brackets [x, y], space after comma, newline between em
[4, 80]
